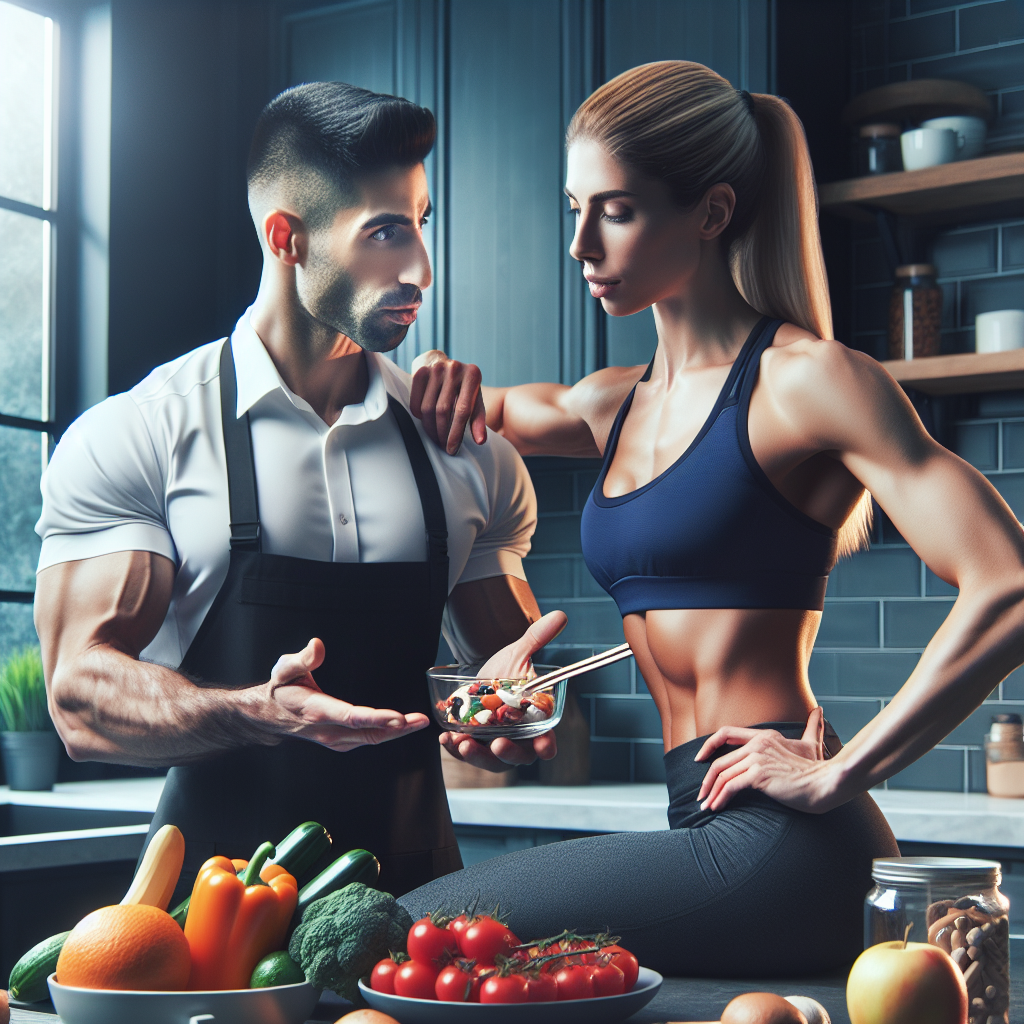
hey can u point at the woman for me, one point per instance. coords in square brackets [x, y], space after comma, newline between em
[736, 470]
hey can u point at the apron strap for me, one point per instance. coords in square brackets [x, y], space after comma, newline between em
[430, 499]
[242, 497]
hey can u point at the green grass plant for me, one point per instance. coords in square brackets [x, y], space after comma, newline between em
[23, 693]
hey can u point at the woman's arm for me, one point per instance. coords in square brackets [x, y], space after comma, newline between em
[831, 399]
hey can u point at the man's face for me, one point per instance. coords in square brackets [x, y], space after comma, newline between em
[364, 275]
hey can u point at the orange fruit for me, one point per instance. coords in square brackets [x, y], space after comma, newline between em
[126, 947]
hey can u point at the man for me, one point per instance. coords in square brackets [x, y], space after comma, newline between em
[258, 493]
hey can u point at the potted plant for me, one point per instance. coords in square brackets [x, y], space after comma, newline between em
[28, 741]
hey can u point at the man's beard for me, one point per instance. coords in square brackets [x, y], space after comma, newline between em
[359, 315]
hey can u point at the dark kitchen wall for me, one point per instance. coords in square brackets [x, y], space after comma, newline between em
[188, 79]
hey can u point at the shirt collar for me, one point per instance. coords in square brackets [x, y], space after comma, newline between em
[257, 377]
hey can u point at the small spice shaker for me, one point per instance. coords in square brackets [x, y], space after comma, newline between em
[953, 903]
[915, 313]
[880, 151]
[1004, 756]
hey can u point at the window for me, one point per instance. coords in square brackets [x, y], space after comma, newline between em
[28, 212]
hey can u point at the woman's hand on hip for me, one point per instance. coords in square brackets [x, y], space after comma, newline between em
[304, 711]
[793, 772]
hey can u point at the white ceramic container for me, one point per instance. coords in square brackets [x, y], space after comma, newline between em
[970, 134]
[999, 331]
[927, 147]
[282, 1004]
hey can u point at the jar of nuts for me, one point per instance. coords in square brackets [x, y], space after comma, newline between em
[954, 903]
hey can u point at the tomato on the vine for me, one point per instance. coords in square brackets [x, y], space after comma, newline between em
[430, 941]
[574, 982]
[510, 988]
[382, 977]
[454, 984]
[415, 979]
[607, 979]
[457, 925]
[541, 987]
[626, 962]
[486, 937]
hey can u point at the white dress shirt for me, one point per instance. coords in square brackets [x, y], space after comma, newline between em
[145, 471]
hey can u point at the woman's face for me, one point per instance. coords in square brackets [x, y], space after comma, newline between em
[637, 246]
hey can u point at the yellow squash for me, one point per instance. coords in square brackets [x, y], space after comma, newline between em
[158, 873]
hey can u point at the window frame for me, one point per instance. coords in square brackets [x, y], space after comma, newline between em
[59, 213]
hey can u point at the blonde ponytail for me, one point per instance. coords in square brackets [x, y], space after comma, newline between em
[777, 263]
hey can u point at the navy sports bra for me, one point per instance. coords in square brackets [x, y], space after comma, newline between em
[711, 531]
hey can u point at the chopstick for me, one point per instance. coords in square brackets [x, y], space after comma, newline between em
[595, 661]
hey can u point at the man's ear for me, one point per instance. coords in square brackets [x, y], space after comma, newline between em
[719, 204]
[285, 236]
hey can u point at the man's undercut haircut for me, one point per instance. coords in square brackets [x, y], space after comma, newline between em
[313, 141]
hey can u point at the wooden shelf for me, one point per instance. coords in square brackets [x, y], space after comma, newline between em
[988, 187]
[960, 374]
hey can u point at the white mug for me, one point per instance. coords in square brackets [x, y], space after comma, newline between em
[999, 331]
[927, 147]
[970, 134]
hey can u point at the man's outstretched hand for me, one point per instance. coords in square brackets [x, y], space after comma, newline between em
[446, 397]
[511, 662]
[305, 711]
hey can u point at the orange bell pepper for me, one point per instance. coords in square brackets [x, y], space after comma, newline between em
[233, 922]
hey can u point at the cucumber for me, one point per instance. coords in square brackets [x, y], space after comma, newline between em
[354, 866]
[276, 969]
[296, 853]
[28, 978]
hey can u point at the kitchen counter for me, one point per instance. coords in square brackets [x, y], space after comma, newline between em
[913, 816]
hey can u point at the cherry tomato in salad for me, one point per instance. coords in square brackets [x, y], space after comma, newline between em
[607, 979]
[416, 979]
[626, 962]
[454, 985]
[574, 982]
[429, 942]
[484, 938]
[508, 989]
[541, 987]
[508, 715]
[382, 977]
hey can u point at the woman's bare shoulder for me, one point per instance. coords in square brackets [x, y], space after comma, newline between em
[597, 396]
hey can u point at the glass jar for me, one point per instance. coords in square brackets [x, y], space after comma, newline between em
[880, 151]
[1004, 756]
[954, 903]
[915, 313]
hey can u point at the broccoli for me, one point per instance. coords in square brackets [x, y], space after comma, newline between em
[344, 934]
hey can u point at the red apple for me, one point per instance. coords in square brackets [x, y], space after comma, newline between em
[906, 983]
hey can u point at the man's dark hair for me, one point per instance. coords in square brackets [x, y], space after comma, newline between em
[311, 143]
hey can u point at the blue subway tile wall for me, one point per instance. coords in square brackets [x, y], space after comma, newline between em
[979, 267]
[978, 264]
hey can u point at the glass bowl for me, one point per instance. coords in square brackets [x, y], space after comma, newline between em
[446, 680]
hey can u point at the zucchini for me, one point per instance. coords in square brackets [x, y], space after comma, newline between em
[296, 853]
[354, 866]
[28, 978]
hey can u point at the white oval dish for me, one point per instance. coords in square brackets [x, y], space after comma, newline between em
[281, 1004]
[602, 1010]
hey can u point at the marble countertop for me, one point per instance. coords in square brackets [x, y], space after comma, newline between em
[913, 815]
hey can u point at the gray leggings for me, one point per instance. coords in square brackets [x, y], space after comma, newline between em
[755, 890]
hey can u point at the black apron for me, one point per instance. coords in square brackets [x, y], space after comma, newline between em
[380, 623]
